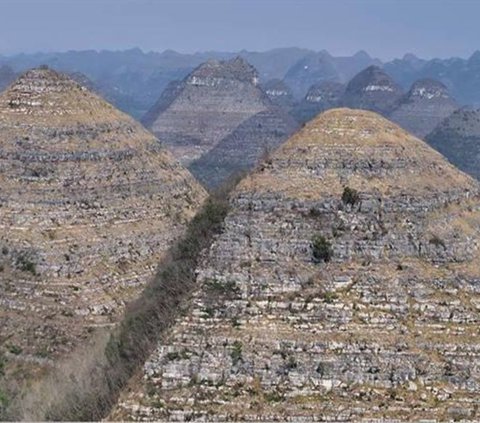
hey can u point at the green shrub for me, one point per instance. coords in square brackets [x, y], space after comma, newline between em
[438, 242]
[321, 249]
[236, 353]
[14, 349]
[329, 296]
[350, 196]
[222, 288]
[25, 264]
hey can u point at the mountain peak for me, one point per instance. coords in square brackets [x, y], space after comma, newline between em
[428, 88]
[43, 91]
[213, 71]
[372, 89]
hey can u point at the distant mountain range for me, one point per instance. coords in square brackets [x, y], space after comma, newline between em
[133, 80]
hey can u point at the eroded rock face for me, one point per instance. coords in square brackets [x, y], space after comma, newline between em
[457, 137]
[344, 286]
[425, 105]
[90, 202]
[320, 97]
[372, 89]
[194, 115]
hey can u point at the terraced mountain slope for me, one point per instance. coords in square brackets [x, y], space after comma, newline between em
[218, 121]
[344, 287]
[194, 115]
[457, 137]
[320, 97]
[90, 201]
[425, 105]
[372, 89]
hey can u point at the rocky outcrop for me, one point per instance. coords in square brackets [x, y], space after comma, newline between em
[425, 105]
[90, 202]
[457, 137]
[344, 287]
[372, 89]
[251, 142]
[320, 97]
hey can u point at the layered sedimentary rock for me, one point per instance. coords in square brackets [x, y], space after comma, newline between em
[320, 97]
[425, 105]
[279, 93]
[251, 142]
[90, 201]
[192, 116]
[345, 286]
[372, 89]
[457, 137]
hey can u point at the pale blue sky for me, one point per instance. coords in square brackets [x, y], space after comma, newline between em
[384, 28]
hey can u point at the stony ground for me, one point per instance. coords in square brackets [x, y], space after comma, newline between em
[345, 286]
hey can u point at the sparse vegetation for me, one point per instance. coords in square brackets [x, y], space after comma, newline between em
[350, 196]
[25, 264]
[321, 249]
[437, 242]
[14, 349]
[329, 297]
[216, 287]
[236, 353]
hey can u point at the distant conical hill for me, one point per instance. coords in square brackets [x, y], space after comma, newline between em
[425, 105]
[213, 105]
[372, 89]
[90, 201]
[344, 287]
[458, 138]
[320, 97]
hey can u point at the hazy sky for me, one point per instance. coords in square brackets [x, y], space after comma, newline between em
[384, 28]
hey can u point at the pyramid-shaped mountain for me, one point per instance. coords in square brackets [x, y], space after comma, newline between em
[218, 108]
[425, 105]
[90, 201]
[372, 89]
[320, 97]
[193, 115]
[344, 287]
[457, 137]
